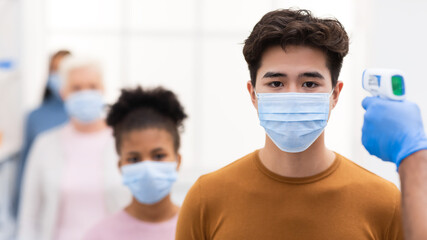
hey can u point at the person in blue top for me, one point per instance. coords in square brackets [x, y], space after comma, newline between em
[49, 114]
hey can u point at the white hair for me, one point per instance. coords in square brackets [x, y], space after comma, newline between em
[71, 63]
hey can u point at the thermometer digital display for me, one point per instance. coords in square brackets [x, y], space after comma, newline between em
[385, 83]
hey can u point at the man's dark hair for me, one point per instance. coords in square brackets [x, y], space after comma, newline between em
[285, 27]
[138, 109]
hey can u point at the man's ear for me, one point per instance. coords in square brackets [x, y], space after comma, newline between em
[178, 160]
[251, 90]
[336, 93]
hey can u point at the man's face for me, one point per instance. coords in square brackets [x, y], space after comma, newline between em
[298, 69]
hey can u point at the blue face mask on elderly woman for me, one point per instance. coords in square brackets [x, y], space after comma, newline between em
[86, 106]
[293, 121]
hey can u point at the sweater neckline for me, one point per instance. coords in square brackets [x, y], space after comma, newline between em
[297, 180]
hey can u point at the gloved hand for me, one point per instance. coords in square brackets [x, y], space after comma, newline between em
[392, 130]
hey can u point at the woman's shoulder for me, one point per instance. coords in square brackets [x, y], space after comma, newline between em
[50, 108]
[52, 133]
[47, 140]
[105, 229]
[46, 148]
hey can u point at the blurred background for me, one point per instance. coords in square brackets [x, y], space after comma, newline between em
[194, 47]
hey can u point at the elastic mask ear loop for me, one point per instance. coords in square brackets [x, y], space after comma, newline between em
[332, 92]
[256, 94]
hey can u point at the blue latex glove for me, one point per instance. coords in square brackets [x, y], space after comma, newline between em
[392, 130]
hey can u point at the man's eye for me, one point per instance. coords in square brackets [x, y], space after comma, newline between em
[133, 159]
[159, 157]
[76, 89]
[275, 84]
[310, 84]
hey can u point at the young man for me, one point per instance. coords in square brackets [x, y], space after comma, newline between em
[294, 187]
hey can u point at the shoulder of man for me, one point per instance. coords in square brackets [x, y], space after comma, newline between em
[207, 194]
[359, 175]
[378, 197]
[231, 172]
[212, 188]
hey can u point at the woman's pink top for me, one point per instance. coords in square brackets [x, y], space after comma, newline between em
[82, 198]
[124, 226]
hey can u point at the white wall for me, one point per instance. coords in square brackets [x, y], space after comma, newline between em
[10, 111]
[396, 38]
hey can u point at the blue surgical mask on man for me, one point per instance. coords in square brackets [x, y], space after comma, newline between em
[150, 181]
[293, 121]
[86, 106]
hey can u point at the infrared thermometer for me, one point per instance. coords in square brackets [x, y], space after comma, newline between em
[385, 83]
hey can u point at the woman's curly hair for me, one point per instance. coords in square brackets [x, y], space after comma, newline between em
[140, 109]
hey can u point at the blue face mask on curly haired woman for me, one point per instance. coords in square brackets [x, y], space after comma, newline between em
[150, 181]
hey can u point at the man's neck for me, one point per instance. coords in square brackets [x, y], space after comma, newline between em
[89, 127]
[316, 159]
[158, 212]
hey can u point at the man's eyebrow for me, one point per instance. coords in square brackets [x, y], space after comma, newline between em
[311, 75]
[159, 149]
[133, 153]
[274, 75]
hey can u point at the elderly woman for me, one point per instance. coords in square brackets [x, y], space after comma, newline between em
[71, 180]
